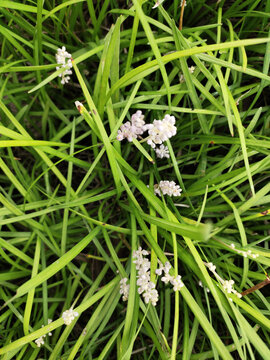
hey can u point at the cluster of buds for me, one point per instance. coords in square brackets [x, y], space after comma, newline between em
[145, 286]
[40, 340]
[176, 282]
[244, 253]
[227, 285]
[131, 129]
[124, 289]
[158, 132]
[69, 315]
[63, 58]
[167, 188]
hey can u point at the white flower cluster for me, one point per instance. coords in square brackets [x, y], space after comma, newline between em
[158, 132]
[63, 58]
[69, 315]
[40, 340]
[167, 188]
[176, 282]
[227, 285]
[244, 253]
[162, 152]
[145, 286]
[124, 289]
[131, 129]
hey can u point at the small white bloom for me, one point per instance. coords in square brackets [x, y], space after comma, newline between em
[200, 283]
[177, 283]
[69, 315]
[151, 295]
[191, 69]
[167, 278]
[211, 267]
[40, 340]
[161, 130]
[182, 3]
[140, 253]
[162, 152]
[137, 120]
[167, 188]
[145, 286]
[232, 246]
[63, 58]
[167, 267]
[131, 129]
[228, 286]
[143, 282]
[124, 289]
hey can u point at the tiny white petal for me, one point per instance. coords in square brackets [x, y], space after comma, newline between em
[69, 315]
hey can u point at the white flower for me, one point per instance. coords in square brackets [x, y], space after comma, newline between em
[131, 129]
[142, 263]
[140, 253]
[145, 286]
[161, 130]
[124, 289]
[63, 58]
[167, 267]
[166, 278]
[137, 120]
[40, 341]
[69, 315]
[167, 188]
[162, 151]
[211, 267]
[159, 271]
[143, 282]
[228, 286]
[177, 283]
[151, 295]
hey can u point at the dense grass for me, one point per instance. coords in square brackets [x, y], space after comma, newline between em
[75, 202]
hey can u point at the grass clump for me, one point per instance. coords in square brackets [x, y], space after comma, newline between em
[134, 180]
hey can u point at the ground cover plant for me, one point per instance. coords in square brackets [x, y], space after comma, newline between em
[134, 219]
